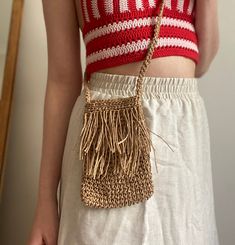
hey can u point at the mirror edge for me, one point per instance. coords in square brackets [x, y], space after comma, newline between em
[8, 82]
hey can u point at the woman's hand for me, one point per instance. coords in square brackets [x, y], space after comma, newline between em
[46, 224]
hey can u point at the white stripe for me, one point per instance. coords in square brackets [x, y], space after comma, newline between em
[139, 4]
[108, 5]
[152, 3]
[139, 45]
[123, 5]
[141, 22]
[86, 11]
[95, 10]
[168, 4]
[190, 7]
[180, 5]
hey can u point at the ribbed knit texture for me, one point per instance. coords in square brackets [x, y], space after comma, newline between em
[117, 32]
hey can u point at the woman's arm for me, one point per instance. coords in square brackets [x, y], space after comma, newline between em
[64, 83]
[208, 33]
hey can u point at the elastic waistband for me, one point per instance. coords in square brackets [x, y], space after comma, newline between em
[159, 86]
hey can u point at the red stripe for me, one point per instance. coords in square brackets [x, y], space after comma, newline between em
[186, 5]
[101, 7]
[146, 4]
[114, 39]
[123, 37]
[132, 5]
[89, 10]
[83, 11]
[174, 4]
[116, 9]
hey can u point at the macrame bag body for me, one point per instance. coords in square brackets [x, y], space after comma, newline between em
[115, 146]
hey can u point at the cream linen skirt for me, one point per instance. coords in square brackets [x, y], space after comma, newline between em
[181, 210]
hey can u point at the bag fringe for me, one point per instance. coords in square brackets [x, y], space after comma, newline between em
[114, 141]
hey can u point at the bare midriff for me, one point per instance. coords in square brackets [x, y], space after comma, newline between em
[169, 66]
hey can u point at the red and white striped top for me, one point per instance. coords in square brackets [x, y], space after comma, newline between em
[116, 32]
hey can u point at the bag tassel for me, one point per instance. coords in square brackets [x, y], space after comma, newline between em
[120, 135]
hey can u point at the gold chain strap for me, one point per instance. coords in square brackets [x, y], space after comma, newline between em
[146, 62]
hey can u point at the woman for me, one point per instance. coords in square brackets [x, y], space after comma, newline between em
[181, 210]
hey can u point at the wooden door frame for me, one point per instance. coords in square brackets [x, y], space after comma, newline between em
[8, 81]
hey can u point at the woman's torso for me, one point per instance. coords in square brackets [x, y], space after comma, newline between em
[169, 66]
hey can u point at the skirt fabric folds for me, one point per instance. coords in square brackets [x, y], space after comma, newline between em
[181, 210]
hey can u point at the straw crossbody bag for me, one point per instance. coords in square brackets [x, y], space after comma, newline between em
[115, 146]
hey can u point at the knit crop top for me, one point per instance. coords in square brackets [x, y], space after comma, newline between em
[117, 32]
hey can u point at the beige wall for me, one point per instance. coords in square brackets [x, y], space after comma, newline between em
[23, 158]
